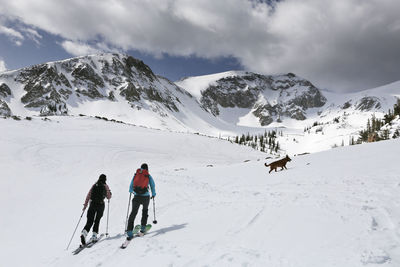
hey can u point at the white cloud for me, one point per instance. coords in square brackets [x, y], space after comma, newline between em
[2, 66]
[14, 35]
[33, 35]
[78, 48]
[345, 44]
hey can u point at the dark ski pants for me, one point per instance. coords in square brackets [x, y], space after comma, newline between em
[136, 202]
[94, 214]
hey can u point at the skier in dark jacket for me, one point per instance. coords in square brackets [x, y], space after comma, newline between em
[96, 195]
[139, 187]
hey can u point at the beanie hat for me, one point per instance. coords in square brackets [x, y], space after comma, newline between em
[144, 166]
[102, 178]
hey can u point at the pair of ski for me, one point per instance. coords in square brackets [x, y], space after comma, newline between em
[87, 245]
[136, 234]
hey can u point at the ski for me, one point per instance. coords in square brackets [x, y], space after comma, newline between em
[87, 245]
[136, 233]
[125, 244]
[94, 242]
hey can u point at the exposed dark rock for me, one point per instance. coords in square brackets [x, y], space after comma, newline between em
[368, 103]
[142, 68]
[346, 105]
[111, 96]
[4, 90]
[243, 91]
[313, 98]
[4, 109]
[265, 113]
[153, 95]
[34, 92]
[85, 76]
[131, 93]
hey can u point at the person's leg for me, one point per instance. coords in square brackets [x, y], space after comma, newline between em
[90, 218]
[145, 212]
[89, 222]
[99, 214]
[132, 216]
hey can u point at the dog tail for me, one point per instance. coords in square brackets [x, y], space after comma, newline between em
[266, 165]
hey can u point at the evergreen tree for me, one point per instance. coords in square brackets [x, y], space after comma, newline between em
[242, 139]
[248, 137]
[396, 108]
[385, 134]
[389, 117]
[396, 134]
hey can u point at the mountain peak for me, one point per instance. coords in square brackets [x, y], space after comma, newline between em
[55, 88]
[268, 97]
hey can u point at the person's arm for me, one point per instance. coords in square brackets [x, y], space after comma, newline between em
[108, 192]
[131, 186]
[87, 198]
[152, 186]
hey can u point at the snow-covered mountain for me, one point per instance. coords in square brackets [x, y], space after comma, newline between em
[216, 204]
[123, 88]
[279, 100]
[270, 98]
[115, 86]
[291, 104]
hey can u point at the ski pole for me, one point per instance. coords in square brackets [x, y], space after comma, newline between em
[127, 212]
[108, 213]
[75, 229]
[154, 212]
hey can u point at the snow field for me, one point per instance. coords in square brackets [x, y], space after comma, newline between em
[334, 208]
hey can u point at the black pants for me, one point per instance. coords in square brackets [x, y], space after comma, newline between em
[136, 202]
[94, 214]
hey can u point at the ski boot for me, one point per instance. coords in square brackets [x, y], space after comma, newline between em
[142, 230]
[129, 235]
[83, 237]
[93, 238]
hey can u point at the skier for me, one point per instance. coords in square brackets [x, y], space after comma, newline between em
[139, 187]
[96, 195]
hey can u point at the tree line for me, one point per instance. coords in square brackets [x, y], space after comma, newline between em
[375, 130]
[265, 142]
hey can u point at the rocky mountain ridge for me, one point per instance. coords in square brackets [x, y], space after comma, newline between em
[269, 97]
[121, 87]
[51, 88]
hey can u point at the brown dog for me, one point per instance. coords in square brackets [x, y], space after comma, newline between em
[279, 163]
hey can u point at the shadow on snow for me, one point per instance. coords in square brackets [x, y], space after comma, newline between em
[168, 229]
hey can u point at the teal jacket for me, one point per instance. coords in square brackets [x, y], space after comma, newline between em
[152, 187]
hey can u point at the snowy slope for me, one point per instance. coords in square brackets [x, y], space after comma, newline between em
[119, 87]
[339, 120]
[356, 105]
[335, 208]
[115, 86]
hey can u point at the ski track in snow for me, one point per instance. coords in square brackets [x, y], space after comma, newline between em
[334, 208]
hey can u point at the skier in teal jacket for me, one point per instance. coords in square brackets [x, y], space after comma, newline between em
[139, 187]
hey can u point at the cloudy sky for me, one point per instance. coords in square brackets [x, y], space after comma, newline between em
[341, 45]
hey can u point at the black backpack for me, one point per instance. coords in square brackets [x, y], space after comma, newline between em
[98, 193]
